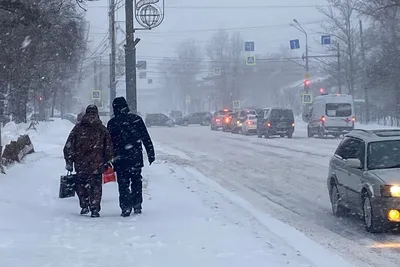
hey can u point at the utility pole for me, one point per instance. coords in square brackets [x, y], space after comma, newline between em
[96, 86]
[366, 93]
[338, 66]
[100, 75]
[113, 89]
[130, 57]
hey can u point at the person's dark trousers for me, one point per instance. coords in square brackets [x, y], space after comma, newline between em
[89, 189]
[130, 188]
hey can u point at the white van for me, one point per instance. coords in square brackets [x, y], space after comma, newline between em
[331, 114]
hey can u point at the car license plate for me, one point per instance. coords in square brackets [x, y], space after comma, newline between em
[281, 125]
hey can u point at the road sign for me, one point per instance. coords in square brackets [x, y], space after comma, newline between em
[141, 65]
[142, 75]
[307, 76]
[96, 95]
[325, 39]
[249, 46]
[236, 104]
[306, 99]
[250, 60]
[217, 71]
[294, 44]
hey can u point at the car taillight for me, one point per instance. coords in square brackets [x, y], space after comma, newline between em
[268, 124]
[323, 119]
[217, 119]
[353, 119]
[250, 122]
[227, 120]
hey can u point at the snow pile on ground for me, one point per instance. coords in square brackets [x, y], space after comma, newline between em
[11, 131]
[187, 220]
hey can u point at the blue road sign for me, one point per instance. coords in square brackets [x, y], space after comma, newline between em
[294, 44]
[96, 95]
[325, 39]
[249, 46]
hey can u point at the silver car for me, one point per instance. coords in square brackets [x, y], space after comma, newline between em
[364, 177]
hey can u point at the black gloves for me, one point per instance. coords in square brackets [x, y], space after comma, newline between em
[151, 159]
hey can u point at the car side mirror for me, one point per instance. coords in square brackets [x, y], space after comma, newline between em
[353, 163]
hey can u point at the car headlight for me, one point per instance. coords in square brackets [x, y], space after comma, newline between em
[390, 191]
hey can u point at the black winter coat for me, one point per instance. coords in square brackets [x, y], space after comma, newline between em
[128, 132]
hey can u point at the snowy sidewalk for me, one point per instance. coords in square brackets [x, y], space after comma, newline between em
[184, 223]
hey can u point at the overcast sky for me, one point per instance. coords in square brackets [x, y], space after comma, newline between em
[190, 19]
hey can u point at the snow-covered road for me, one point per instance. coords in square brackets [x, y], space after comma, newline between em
[284, 177]
[188, 219]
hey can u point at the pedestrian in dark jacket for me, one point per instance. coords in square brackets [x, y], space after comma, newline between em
[89, 150]
[80, 116]
[128, 132]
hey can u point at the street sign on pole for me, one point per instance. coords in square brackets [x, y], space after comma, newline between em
[141, 65]
[96, 95]
[217, 71]
[306, 99]
[236, 104]
[325, 39]
[294, 44]
[249, 46]
[251, 60]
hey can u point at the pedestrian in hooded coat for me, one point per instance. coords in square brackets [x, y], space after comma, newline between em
[88, 150]
[128, 132]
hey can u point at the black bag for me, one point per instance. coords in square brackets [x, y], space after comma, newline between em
[67, 185]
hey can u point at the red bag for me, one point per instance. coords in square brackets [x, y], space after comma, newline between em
[109, 175]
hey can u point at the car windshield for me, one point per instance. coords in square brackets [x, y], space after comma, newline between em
[223, 112]
[251, 117]
[253, 112]
[338, 109]
[384, 155]
[282, 114]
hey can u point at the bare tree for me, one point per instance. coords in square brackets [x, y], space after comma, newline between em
[341, 24]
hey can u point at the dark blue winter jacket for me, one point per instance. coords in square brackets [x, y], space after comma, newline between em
[128, 132]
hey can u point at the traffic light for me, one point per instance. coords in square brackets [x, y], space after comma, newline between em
[321, 90]
[40, 98]
[307, 83]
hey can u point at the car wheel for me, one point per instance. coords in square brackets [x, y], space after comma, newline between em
[337, 208]
[372, 223]
[266, 135]
[290, 135]
[259, 135]
[206, 123]
[282, 135]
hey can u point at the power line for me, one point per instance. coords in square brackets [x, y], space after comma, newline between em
[233, 7]
[232, 29]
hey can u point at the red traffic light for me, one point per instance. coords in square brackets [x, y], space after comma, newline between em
[321, 90]
[307, 82]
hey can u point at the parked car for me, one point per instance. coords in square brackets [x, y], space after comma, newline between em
[201, 118]
[364, 178]
[176, 115]
[331, 114]
[249, 125]
[158, 119]
[218, 119]
[276, 121]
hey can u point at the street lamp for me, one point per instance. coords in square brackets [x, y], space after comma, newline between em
[149, 15]
[300, 28]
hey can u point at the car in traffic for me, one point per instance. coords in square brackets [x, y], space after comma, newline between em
[364, 178]
[158, 119]
[275, 121]
[331, 114]
[217, 119]
[200, 118]
[176, 115]
[249, 125]
[229, 121]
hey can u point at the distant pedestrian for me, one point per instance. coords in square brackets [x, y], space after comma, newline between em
[128, 132]
[88, 150]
